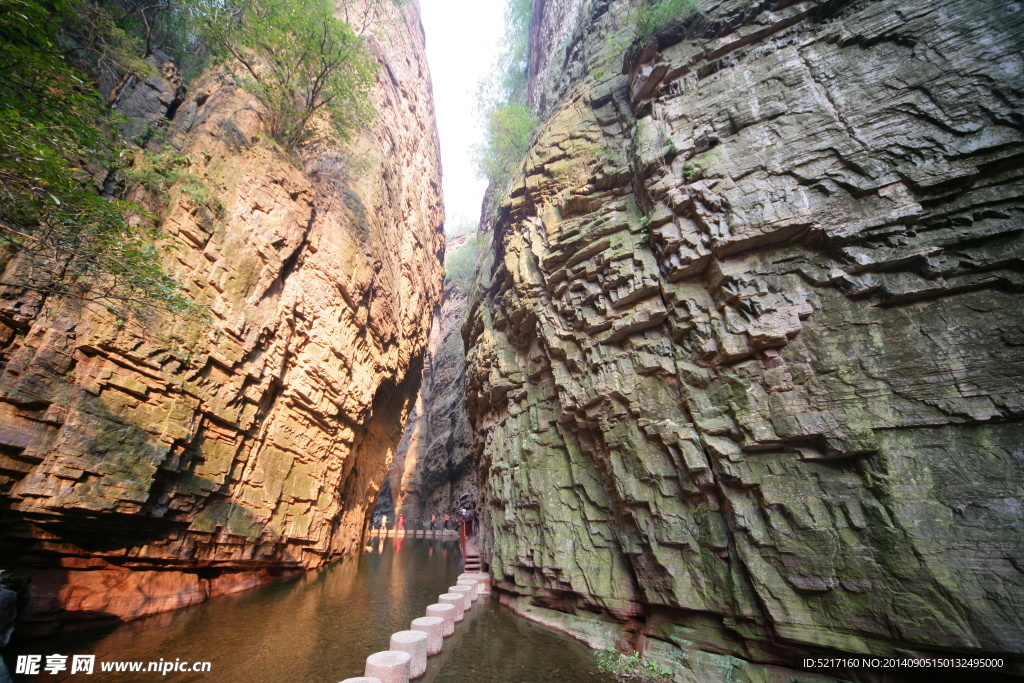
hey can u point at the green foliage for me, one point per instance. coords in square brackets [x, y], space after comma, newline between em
[459, 226]
[170, 26]
[57, 148]
[111, 40]
[509, 130]
[632, 667]
[645, 20]
[69, 240]
[460, 264]
[652, 17]
[160, 171]
[102, 39]
[515, 59]
[509, 123]
[297, 59]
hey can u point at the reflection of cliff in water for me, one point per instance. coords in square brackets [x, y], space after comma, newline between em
[322, 625]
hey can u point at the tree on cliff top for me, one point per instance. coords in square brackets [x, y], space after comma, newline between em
[509, 122]
[57, 234]
[298, 60]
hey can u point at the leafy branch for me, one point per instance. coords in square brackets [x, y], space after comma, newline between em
[58, 235]
[298, 60]
[509, 123]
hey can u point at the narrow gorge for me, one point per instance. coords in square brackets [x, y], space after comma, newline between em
[433, 472]
[729, 373]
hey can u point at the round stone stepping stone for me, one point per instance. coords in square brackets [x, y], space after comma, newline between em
[465, 591]
[415, 643]
[456, 599]
[472, 584]
[434, 628]
[446, 612]
[390, 666]
[482, 579]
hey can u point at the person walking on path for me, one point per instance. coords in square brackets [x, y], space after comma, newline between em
[401, 522]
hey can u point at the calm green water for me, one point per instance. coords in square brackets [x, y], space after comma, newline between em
[321, 627]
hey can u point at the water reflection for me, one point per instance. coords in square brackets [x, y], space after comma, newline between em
[322, 626]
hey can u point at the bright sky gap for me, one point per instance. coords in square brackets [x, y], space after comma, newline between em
[463, 42]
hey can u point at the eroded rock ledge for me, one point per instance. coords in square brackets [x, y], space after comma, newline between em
[746, 365]
[141, 476]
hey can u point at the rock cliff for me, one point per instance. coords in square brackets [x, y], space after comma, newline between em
[433, 471]
[149, 465]
[745, 359]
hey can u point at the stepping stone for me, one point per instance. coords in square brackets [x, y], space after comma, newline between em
[483, 580]
[415, 643]
[472, 584]
[434, 628]
[446, 612]
[463, 590]
[390, 666]
[456, 599]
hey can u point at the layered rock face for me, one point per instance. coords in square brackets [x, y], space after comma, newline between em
[433, 470]
[746, 361]
[149, 465]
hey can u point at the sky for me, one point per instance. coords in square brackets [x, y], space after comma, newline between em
[463, 39]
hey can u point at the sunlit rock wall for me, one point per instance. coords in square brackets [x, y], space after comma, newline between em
[151, 465]
[746, 360]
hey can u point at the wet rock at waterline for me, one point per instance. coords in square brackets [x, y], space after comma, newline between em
[745, 358]
[227, 455]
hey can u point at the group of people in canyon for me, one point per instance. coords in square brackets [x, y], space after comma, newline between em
[446, 521]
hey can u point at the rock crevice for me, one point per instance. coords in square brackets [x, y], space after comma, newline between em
[433, 472]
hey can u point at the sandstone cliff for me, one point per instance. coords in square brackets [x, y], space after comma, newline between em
[433, 471]
[148, 469]
[745, 364]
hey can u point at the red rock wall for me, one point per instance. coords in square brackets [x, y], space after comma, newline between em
[150, 465]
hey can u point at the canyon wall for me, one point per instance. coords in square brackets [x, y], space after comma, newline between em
[149, 464]
[746, 354]
[433, 470]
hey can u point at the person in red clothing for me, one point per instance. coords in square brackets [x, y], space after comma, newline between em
[401, 522]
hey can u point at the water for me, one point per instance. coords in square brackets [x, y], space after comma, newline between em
[322, 626]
